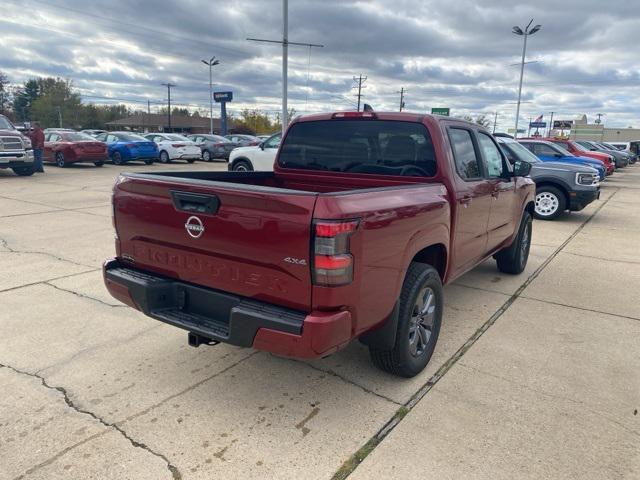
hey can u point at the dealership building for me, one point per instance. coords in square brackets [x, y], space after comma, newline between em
[155, 122]
[581, 129]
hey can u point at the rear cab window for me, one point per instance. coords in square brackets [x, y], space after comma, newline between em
[377, 147]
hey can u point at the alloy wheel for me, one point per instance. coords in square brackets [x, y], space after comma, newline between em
[422, 321]
[547, 204]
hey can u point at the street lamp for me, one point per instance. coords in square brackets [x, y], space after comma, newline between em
[212, 62]
[518, 31]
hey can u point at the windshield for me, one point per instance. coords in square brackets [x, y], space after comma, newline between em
[379, 147]
[560, 149]
[516, 151]
[78, 137]
[180, 138]
[6, 124]
[130, 137]
[581, 147]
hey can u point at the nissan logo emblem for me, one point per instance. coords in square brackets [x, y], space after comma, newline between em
[194, 227]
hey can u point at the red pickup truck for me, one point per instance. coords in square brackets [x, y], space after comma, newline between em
[364, 218]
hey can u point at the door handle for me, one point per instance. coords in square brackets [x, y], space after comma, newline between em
[195, 203]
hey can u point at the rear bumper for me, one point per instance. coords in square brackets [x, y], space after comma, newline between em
[581, 198]
[226, 317]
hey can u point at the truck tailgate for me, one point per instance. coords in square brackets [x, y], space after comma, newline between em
[247, 240]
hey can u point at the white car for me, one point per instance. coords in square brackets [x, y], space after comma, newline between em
[258, 158]
[175, 147]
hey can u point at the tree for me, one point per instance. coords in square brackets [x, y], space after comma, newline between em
[481, 120]
[23, 100]
[4, 92]
[57, 104]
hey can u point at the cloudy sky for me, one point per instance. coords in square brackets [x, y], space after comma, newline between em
[456, 54]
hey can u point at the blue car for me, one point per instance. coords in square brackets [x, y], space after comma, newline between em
[126, 146]
[551, 152]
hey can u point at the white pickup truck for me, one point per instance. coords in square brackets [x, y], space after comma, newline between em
[15, 149]
[259, 158]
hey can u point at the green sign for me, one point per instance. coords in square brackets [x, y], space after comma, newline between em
[440, 111]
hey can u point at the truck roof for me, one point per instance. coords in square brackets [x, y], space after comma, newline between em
[393, 116]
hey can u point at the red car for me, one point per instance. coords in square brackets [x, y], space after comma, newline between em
[580, 151]
[364, 218]
[66, 147]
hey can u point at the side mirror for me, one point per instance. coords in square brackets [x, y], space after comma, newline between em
[558, 155]
[521, 169]
[261, 145]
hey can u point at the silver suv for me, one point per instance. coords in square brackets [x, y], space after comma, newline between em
[15, 149]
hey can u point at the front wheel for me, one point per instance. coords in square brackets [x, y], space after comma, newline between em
[206, 155]
[550, 203]
[513, 259]
[164, 157]
[242, 166]
[191, 160]
[419, 319]
[148, 161]
[117, 158]
[60, 161]
[98, 164]
[24, 171]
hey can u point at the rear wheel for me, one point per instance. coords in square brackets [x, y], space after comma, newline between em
[164, 157]
[117, 158]
[24, 171]
[98, 164]
[513, 259]
[191, 160]
[242, 166]
[420, 316]
[206, 155]
[60, 161]
[148, 161]
[550, 203]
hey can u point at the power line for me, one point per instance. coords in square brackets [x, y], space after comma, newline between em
[359, 86]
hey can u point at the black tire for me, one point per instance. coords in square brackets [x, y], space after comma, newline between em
[164, 157]
[24, 171]
[550, 203]
[206, 156]
[60, 161]
[242, 166]
[513, 259]
[117, 158]
[191, 160]
[149, 161]
[415, 341]
[98, 164]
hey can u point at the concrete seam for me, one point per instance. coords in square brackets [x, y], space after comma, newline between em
[392, 423]
[550, 302]
[175, 473]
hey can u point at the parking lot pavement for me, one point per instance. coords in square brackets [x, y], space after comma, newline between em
[535, 380]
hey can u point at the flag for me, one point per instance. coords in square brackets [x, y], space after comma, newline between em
[538, 119]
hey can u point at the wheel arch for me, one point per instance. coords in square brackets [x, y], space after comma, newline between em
[240, 159]
[555, 184]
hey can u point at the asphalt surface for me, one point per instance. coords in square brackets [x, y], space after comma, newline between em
[534, 376]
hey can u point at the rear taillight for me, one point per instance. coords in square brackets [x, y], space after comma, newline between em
[177, 145]
[332, 261]
[131, 145]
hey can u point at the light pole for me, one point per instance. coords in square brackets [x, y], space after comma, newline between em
[518, 31]
[212, 62]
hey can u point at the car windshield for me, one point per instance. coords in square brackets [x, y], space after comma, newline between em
[180, 138]
[559, 149]
[78, 137]
[517, 151]
[5, 124]
[131, 137]
[581, 147]
[360, 146]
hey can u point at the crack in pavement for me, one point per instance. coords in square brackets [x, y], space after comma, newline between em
[82, 295]
[175, 473]
[551, 302]
[635, 262]
[347, 380]
[351, 464]
[41, 282]
[4, 243]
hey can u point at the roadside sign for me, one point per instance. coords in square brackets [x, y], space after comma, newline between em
[513, 130]
[538, 125]
[562, 124]
[440, 111]
[220, 97]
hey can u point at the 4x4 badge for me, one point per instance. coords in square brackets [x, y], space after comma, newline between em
[194, 227]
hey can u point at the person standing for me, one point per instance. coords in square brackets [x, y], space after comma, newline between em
[37, 142]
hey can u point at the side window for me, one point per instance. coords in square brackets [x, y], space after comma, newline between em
[112, 139]
[54, 138]
[528, 146]
[464, 153]
[273, 142]
[490, 154]
[542, 149]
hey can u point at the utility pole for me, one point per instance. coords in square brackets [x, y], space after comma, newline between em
[401, 92]
[148, 107]
[212, 63]
[495, 121]
[550, 124]
[169, 85]
[525, 33]
[599, 119]
[59, 116]
[360, 81]
[285, 58]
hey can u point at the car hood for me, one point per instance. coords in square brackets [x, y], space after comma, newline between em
[245, 149]
[566, 167]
